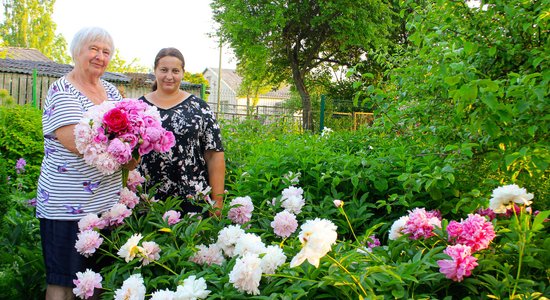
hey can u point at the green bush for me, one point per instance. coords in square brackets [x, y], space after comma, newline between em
[21, 137]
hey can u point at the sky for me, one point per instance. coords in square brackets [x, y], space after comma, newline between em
[140, 28]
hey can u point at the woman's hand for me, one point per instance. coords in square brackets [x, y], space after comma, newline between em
[132, 164]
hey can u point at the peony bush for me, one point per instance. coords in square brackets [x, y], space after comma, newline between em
[269, 248]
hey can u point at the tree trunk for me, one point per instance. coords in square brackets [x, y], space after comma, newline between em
[304, 94]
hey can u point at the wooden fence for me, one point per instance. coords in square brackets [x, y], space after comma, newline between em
[20, 87]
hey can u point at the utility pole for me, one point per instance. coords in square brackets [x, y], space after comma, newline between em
[219, 80]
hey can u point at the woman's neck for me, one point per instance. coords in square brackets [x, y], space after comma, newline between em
[166, 100]
[90, 86]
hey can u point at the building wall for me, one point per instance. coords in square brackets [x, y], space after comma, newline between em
[228, 97]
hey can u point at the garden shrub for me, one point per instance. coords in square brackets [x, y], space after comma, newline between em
[21, 137]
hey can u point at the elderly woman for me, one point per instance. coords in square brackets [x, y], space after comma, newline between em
[68, 188]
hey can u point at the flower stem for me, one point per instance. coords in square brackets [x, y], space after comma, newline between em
[349, 224]
[162, 265]
[288, 276]
[522, 241]
[348, 272]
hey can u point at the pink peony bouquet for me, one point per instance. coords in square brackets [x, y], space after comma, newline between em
[112, 133]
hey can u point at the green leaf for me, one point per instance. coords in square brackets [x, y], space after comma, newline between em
[453, 80]
[538, 223]
[381, 184]
[491, 101]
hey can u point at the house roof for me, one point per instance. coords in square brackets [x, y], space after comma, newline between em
[24, 54]
[233, 81]
[49, 68]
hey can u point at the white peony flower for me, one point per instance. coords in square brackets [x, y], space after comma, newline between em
[293, 204]
[317, 237]
[192, 289]
[503, 197]
[292, 191]
[227, 238]
[274, 257]
[129, 250]
[163, 295]
[249, 243]
[397, 227]
[246, 274]
[132, 289]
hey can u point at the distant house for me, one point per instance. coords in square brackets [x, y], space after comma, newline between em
[232, 103]
[21, 65]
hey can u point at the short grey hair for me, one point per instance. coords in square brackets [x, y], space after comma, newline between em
[90, 34]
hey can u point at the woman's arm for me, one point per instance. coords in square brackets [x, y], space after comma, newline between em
[65, 135]
[215, 161]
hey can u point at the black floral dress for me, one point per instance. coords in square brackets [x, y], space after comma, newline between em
[181, 169]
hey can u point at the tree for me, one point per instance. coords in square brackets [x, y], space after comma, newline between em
[472, 85]
[119, 65]
[256, 80]
[293, 38]
[29, 24]
[196, 78]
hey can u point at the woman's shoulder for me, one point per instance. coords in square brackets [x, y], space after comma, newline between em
[112, 91]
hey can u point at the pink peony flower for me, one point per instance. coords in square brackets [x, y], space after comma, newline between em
[120, 151]
[461, 263]
[86, 283]
[173, 217]
[128, 198]
[241, 210]
[134, 180]
[373, 242]
[88, 242]
[108, 133]
[116, 215]
[284, 224]
[91, 221]
[487, 212]
[338, 203]
[100, 136]
[421, 223]
[475, 232]
[116, 120]
[150, 252]
[208, 255]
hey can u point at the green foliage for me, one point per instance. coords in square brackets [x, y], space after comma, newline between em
[21, 137]
[119, 65]
[464, 89]
[286, 41]
[196, 78]
[22, 274]
[29, 24]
